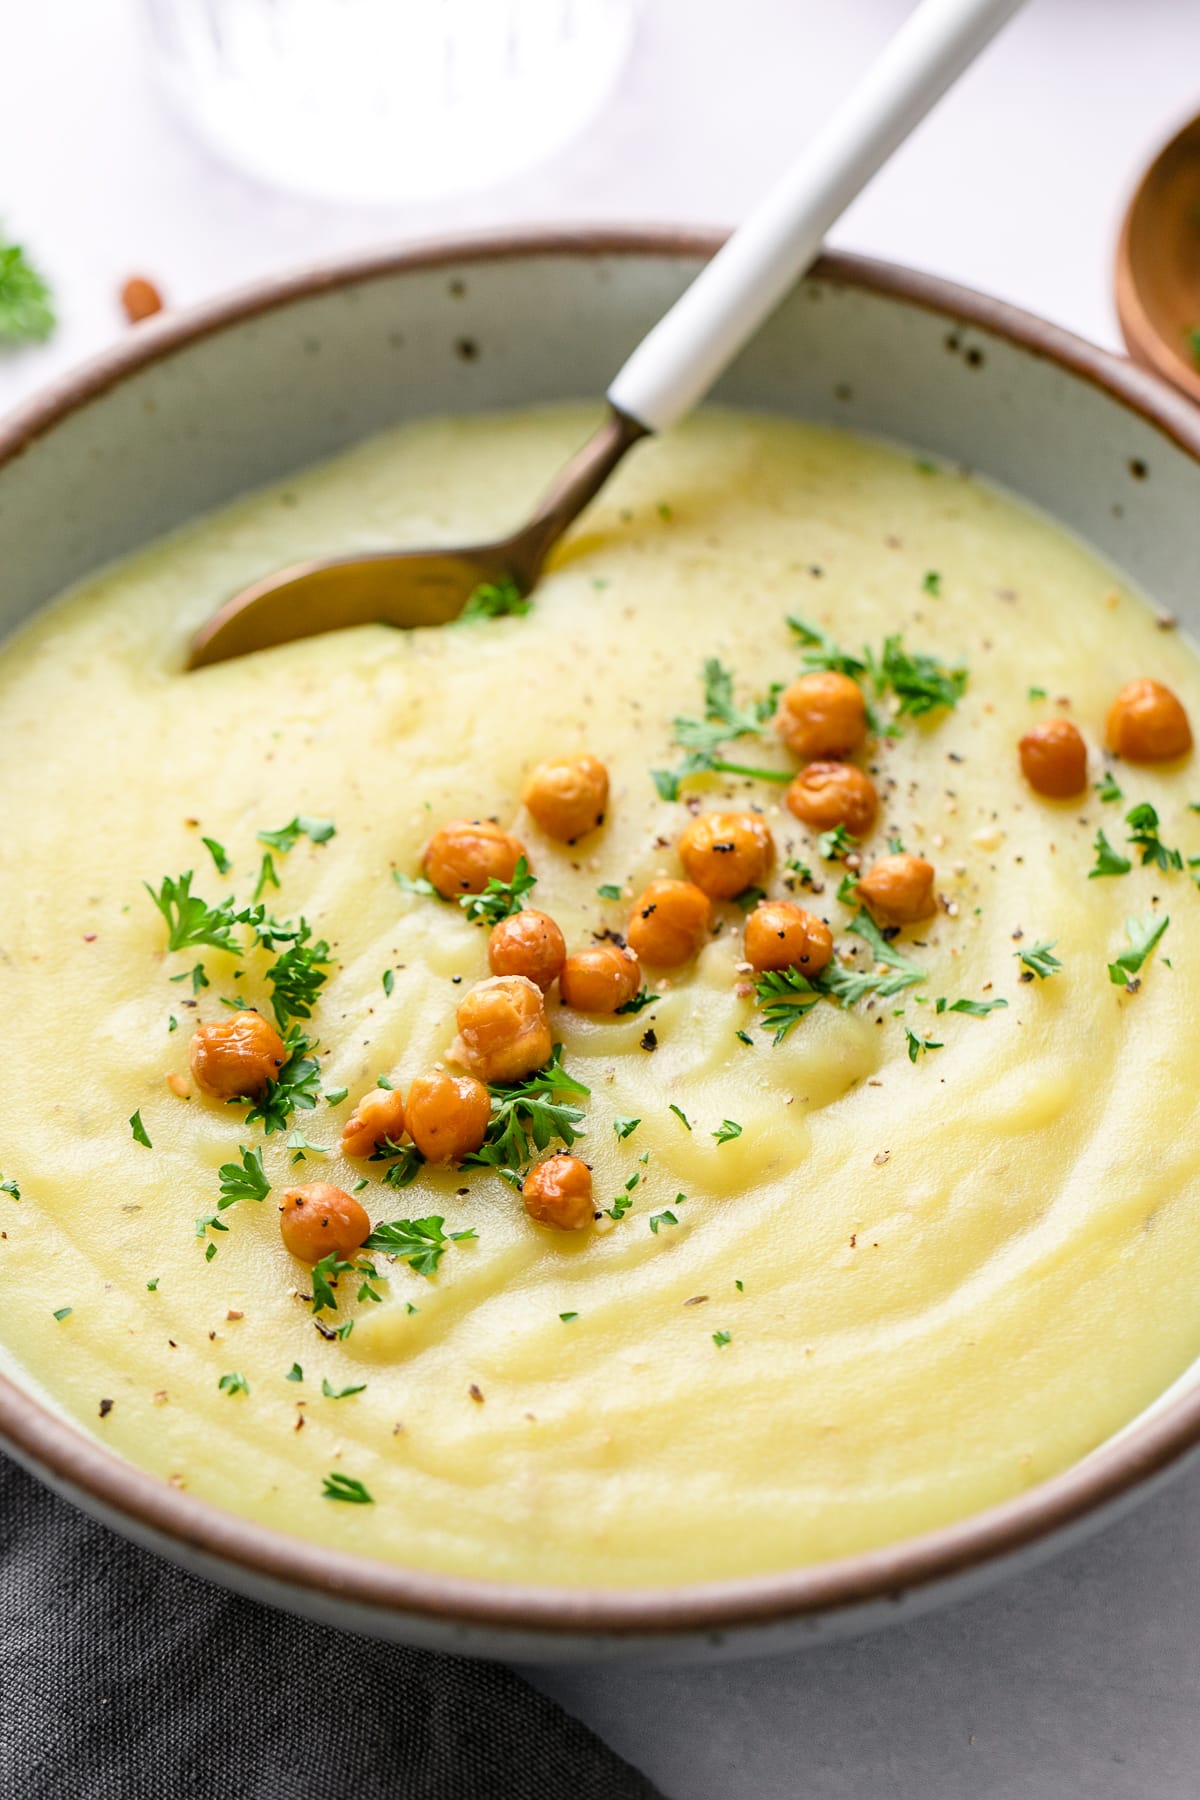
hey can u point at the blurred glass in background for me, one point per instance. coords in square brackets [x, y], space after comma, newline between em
[380, 101]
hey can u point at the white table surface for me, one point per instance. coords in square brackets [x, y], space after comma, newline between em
[1080, 1682]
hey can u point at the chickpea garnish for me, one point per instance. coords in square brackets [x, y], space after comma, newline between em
[378, 1115]
[822, 715]
[599, 980]
[727, 852]
[448, 1115]
[568, 796]
[465, 854]
[898, 890]
[316, 1219]
[1054, 759]
[781, 935]
[1147, 723]
[530, 944]
[829, 794]
[236, 1056]
[669, 923]
[503, 1031]
[558, 1192]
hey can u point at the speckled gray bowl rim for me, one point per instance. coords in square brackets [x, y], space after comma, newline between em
[76, 1462]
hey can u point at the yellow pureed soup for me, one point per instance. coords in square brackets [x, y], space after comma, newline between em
[947, 1253]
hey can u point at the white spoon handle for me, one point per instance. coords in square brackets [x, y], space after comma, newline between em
[687, 350]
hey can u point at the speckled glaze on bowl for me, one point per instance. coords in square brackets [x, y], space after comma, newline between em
[195, 408]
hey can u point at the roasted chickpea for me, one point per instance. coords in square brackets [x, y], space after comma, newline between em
[599, 980]
[448, 1115]
[316, 1219]
[503, 1031]
[1054, 759]
[378, 1115]
[529, 944]
[558, 1192]
[669, 923]
[1146, 723]
[723, 853]
[822, 715]
[899, 890]
[567, 797]
[781, 935]
[463, 856]
[236, 1056]
[828, 794]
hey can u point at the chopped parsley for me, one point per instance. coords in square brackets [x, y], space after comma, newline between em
[568, 1317]
[619, 1207]
[976, 1009]
[295, 1088]
[836, 844]
[722, 721]
[658, 1220]
[847, 891]
[344, 1487]
[10, 1188]
[727, 1130]
[26, 307]
[336, 1096]
[1143, 935]
[932, 583]
[421, 1243]
[1108, 860]
[298, 975]
[295, 1373]
[1107, 789]
[217, 852]
[785, 995]
[501, 599]
[332, 1393]
[233, 1384]
[140, 1134]
[681, 1116]
[1143, 820]
[190, 920]
[63, 1312]
[721, 1338]
[244, 1180]
[749, 898]
[640, 1000]
[318, 831]
[389, 981]
[415, 884]
[325, 1275]
[528, 1115]
[821, 651]
[152, 1286]
[404, 1161]
[1036, 693]
[500, 899]
[267, 875]
[920, 683]
[1039, 960]
[918, 1046]
[609, 891]
[625, 1128]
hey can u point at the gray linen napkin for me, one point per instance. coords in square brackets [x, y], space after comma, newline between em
[123, 1679]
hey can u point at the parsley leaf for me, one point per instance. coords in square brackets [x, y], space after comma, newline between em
[494, 600]
[404, 1161]
[1143, 935]
[217, 852]
[1108, 860]
[849, 985]
[917, 1045]
[344, 1487]
[821, 652]
[727, 1130]
[658, 1220]
[835, 844]
[1039, 961]
[528, 1115]
[233, 1384]
[784, 995]
[421, 1243]
[295, 1373]
[1108, 789]
[415, 884]
[318, 831]
[10, 1188]
[1144, 836]
[609, 891]
[722, 721]
[299, 974]
[625, 1128]
[296, 1088]
[325, 1275]
[977, 1009]
[26, 308]
[721, 1338]
[640, 1000]
[920, 682]
[932, 583]
[499, 899]
[332, 1393]
[244, 1180]
[681, 1116]
[140, 1134]
[191, 920]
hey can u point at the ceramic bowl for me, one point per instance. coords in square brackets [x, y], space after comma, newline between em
[194, 409]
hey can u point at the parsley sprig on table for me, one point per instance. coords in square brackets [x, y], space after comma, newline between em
[500, 899]
[26, 307]
[529, 1115]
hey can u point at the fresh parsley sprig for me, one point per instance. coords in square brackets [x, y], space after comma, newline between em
[1143, 934]
[529, 1115]
[1108, 860]
[190, 920]
[317, 831]
[1039, 960]
[722, 721]
[1143, 820]
[421, 1243]
[244, 1180]
[295, 1089]
[500, 899]
[786, 995]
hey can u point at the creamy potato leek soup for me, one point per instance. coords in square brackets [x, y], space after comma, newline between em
[843, 1183]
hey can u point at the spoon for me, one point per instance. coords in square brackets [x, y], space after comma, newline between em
[1158, 265]
[670, 371]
